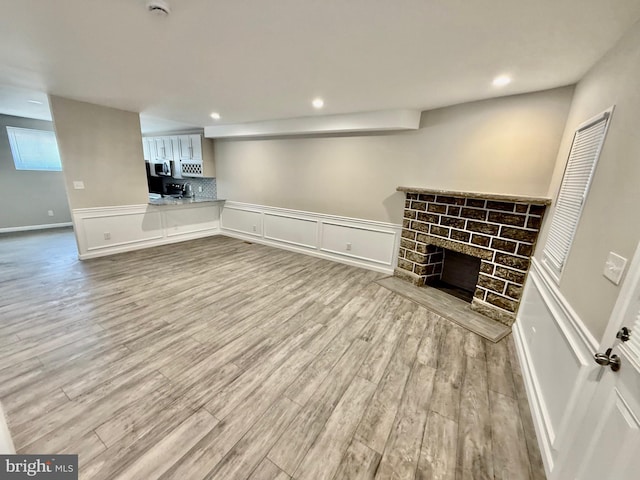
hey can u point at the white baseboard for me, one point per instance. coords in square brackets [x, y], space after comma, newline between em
[109, 230]
[555, 350]
[27, 228]
[362, 243]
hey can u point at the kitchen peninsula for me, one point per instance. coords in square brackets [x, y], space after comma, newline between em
[109, 230]
[183, 202]
[180, 203]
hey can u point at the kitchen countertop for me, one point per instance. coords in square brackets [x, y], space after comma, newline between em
[181, 201]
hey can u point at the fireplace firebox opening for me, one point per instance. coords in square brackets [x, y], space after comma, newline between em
[457, 276]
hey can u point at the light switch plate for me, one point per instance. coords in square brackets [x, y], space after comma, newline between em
[78, 185]
[614, 267]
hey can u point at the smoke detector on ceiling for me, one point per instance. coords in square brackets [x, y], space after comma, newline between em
[159, 7]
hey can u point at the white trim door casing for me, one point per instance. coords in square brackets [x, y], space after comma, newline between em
[586, 416]
[607, 442]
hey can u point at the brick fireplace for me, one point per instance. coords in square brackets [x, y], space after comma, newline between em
[499, 230]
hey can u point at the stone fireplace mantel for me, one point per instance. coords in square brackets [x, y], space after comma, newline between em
[479, 195]
[501, 230]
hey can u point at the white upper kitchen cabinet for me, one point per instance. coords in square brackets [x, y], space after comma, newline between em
[176, 167]
[158, 145]
[163, 147]
[201, 161]
[168, 148]
[146, 153]
[196, 146]
[192, 155]
[149, 149]
[184, 147]
[190, 147]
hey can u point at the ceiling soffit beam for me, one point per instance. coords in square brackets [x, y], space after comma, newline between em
[387, 120]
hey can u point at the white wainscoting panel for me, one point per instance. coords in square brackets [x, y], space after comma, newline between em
[373, 245]
[108, 230]
[192, 220]
[555, 350]
[296, 231]
[245, 221]
[122, 229]
[370, 244]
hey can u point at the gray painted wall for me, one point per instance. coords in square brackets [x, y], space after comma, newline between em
[102, 147]
[26, 196]
[505, 145]
[610, 216]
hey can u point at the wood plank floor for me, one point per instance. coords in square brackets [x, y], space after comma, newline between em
[221, 359]
[447, 306]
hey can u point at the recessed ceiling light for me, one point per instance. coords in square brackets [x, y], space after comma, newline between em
[159, 7]
[317, 103]
[36, 102]
[501, 81]
[215, 116]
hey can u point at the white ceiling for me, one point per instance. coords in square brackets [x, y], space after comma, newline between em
[255, 60]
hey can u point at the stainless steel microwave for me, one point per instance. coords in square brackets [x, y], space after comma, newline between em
[163, 168]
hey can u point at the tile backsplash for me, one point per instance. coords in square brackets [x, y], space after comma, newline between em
[209, 189]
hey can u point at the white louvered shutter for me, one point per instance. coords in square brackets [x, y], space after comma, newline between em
[587, 144]
[634, 340]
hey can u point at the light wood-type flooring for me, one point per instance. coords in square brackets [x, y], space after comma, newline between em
[221, 359]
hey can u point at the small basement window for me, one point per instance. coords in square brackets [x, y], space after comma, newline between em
[34, 149]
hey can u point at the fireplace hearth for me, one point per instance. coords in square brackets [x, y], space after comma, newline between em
[473, 245]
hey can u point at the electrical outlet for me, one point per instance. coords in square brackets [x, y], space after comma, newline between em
[107, 235]
[50, 213]
[78, 185]
[348, 246]
[254, 228]
[614, 267]
[199, 189]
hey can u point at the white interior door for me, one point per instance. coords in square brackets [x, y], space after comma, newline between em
[607, 445]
